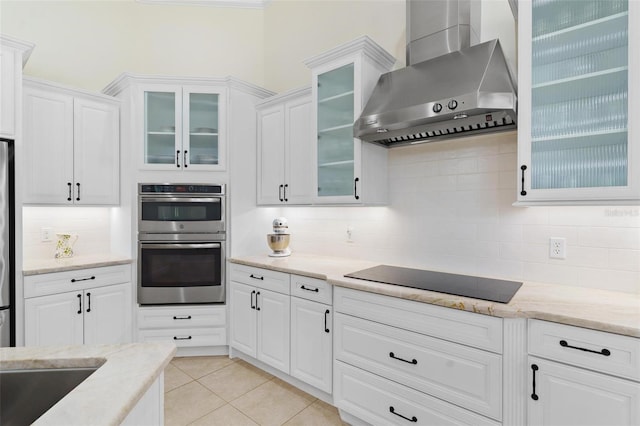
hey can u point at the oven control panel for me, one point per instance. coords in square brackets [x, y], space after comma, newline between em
[182, 188]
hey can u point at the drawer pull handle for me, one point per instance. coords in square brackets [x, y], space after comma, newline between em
[183, 317]
[181, 338]
[413, 361]
[309, 288]
[413, 419]
[74, 280]
[327, 312]
[534, 368]
[523, 192]
[256, 277]
[253, 293]
[605, 352]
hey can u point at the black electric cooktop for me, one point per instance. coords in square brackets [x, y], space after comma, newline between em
[460, 285]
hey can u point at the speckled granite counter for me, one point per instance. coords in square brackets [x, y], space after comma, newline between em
[126, 372]
[610, 311]
[45, 266]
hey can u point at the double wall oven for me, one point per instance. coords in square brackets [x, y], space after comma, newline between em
[181, 243]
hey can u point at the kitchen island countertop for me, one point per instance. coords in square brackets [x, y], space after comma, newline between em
[610, 311]
[46, 266]
[125, 373]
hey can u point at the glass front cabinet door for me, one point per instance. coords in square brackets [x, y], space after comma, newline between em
[183, 128]
[346, 169]
[578, 78]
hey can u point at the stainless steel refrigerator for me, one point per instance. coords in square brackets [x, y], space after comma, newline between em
[7, 244]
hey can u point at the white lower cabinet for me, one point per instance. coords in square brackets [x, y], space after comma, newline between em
[86, 315]
[378, 401]
[311, 346]
[402, 361]
[186, 326]
[597, 382]
[260, 318]
[285, 321]
[570, 396]
[149, 410]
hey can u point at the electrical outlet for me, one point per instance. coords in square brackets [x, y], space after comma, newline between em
[46, 234]
[557, 248]
[349, 234]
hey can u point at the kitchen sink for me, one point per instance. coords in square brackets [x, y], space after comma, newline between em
[26, 395]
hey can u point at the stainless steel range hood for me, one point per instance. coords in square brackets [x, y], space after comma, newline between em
[462, 91]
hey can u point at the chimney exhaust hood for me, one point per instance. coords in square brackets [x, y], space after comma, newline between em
[449, 90]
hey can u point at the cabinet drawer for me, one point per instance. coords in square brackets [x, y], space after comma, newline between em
[609, 353]
[476, 330]
[311, 289]
[263, 278]
[181, 317]
[186, 337]
[371, 398]
[464, 376]
[58, 282]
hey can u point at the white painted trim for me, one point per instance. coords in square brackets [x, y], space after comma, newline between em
[24, 46]
[240, 4]
[514, 372]
[126, 79]
[362, 44]
[284, 97]
[72, 91]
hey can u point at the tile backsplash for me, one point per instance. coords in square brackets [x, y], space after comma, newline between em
[92, 224]
[451, 209]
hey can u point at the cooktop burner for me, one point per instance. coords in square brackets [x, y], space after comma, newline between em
[459, 285]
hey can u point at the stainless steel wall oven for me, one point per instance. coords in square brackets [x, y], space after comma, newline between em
[181, 244]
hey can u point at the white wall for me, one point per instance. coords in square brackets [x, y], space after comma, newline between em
[86, 44]
[451, 210]
[92, 224]
[300, 29]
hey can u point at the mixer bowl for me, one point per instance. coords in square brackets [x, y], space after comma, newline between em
[278, 242]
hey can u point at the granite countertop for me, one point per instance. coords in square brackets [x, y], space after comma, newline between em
[603, 310]
[46, 266]
[126, 372]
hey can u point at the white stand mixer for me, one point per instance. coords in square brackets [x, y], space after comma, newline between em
[279, 240]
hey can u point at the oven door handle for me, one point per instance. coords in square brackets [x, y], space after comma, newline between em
[181, 199]
[180, 245]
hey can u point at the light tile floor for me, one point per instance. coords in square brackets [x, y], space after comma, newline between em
[216, 390]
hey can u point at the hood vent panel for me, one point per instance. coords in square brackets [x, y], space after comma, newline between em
[467, 126]
[458, 94]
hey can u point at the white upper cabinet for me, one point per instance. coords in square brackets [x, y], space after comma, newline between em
[285, 149]
[13, 54]
[346, 169]
[579, 80]
[183, 127]
[71, 146]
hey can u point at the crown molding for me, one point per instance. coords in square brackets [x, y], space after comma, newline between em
[25, 47]
[29, 81]
[125, 79]
[240, 4]
[285, 96]
[362, 44]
